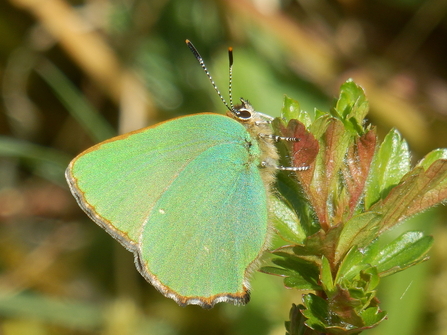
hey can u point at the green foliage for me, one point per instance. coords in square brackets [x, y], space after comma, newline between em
[352, 192]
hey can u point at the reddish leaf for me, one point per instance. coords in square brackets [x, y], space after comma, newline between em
[325, 177]
[417, 191]
[356, 171]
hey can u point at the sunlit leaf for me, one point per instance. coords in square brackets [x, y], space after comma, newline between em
[391, 163]
[352, 106]
[407, 250]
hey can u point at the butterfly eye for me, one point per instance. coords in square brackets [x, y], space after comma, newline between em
[242, 113]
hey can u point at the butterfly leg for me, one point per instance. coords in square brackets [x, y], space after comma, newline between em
[277, 138]
[272, 164]
[292, 168]
[284, 168]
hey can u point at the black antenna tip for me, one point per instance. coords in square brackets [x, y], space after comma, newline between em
[230, 55]
[193, 49]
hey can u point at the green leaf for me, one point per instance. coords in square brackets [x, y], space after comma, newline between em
[372, 317]
[326, 276]
[292, 196]
[319, 126]
[286, 221]
[407, 250]
[291, 110]
[355, 261]
[433, 156]
[320, 318]
[391, 163]
[347, 304]
[296, 324]
[319, 113]
[316, 312]
[373, 278]
[272, 270]
[357, 232]
[352, 106]
[298, 272]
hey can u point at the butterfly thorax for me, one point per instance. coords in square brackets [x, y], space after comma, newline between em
[258, 126]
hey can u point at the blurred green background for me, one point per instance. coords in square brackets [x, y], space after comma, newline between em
[75, 73]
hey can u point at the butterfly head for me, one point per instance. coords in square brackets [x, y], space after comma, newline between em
[243, 112]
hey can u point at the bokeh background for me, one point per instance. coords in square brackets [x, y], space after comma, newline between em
[77, 72]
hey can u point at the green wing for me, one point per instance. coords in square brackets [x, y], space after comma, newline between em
[186, 196]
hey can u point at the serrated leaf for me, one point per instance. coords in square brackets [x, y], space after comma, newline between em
[352, 104]
[418, 190]
[357, 232]
[296, 324]
[319, 126]
[303, 152]
[303, 274]
[355, 261]
[372, 316]
[347, 175]
[391, 163]
[326, 173]
[408, 249]
[316, 312]
[291, 110]
[431, 157]
[319, 317]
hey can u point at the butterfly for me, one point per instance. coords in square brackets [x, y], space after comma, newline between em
[188, 197]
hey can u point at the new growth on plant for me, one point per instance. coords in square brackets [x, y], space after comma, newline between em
[333, 214]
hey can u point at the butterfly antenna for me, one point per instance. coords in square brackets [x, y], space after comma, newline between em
[230, 93]
[202, 64]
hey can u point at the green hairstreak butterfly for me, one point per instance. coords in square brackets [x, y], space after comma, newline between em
[189, 197]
